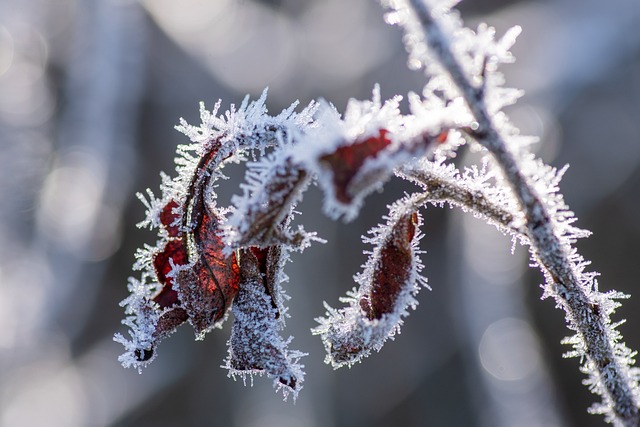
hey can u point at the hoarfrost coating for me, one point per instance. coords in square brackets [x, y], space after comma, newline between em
[209, 260]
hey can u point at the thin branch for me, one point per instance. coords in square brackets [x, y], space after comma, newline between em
[554, 258]
[438, 190]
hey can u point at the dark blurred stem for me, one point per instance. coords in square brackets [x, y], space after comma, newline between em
[553, 257]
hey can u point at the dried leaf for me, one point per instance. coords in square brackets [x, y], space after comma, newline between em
[265, 210]
[208, 285]
[388, 286]
[255, 346]
[170, 218]
[346, 161]
[354, 169]
[392, 269]
[174, 254]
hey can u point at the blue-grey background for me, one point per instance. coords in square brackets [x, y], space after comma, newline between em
[89, 94]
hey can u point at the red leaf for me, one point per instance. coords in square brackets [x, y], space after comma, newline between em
[207, 290]
[203, 292]
[223, 269]
[351, 180]
[346, 162]
[173, 251]
[170, 220]
[392, 270]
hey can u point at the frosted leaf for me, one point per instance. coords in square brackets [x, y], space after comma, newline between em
[388, 285]
[255, 346]
[353, 156]
[261, 215]
[189, 276]
[191, 279]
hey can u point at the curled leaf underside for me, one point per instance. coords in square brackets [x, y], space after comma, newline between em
[255, 346]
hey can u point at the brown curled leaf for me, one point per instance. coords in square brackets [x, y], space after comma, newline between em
[368, 178]
[198, 281]
[206, 288]
[355, 169]
[346, 161]
[270, 207]
[392, 269]
[387, 289]
[255, 346]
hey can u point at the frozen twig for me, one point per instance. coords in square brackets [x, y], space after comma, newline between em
[607, 361]
[439, 189]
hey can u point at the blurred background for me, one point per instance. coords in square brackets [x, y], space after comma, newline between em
[89, 93]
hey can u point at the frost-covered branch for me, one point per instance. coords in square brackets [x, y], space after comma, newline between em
[210, 261]
[607, 361]
[443, 184]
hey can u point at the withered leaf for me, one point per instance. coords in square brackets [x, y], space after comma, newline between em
[392, 270]
[346, 161]
[207, 289]
[265, 219]
[170, 219]
[351, 179]
[198, 281]
[255, 344]
[174, 252]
